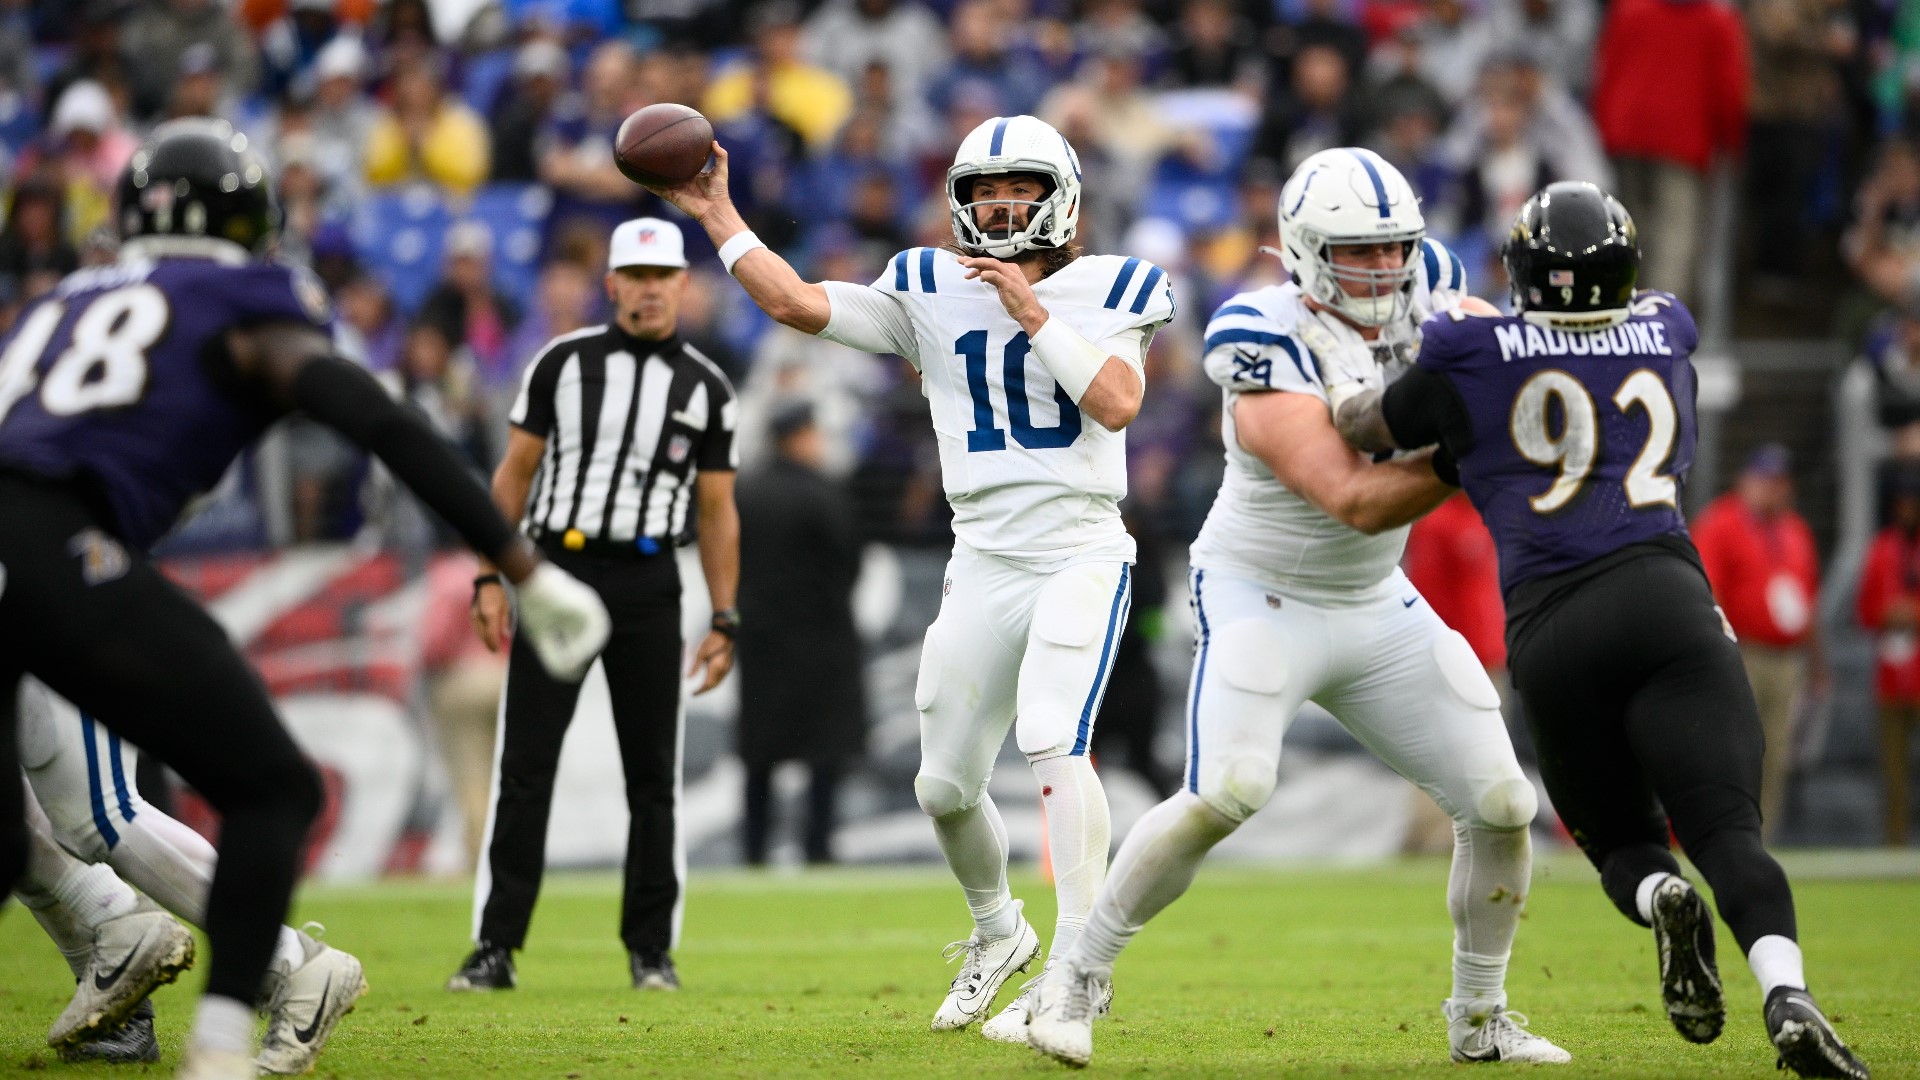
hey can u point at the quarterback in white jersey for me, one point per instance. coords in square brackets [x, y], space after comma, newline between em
[1030, 356]
[1297, 595]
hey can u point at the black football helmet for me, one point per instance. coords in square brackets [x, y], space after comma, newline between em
[1572, 258]
[196, 177]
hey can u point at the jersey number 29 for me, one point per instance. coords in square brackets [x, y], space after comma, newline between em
[987, 433]
[1575, 449]
[105, 364]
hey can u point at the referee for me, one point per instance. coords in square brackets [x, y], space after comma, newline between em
[622, 436]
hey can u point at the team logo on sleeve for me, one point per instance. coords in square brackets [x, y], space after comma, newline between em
[312, 296]
[102, 558]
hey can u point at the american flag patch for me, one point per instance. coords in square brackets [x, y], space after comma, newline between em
[1557, 278]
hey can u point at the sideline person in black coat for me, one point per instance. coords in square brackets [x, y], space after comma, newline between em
[802, 696]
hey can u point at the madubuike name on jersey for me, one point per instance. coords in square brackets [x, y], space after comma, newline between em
[1571, 444]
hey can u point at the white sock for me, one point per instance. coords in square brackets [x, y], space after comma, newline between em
[1643, 894]
[94, 894]
[168, 861]
[223, 1024]
[1156, 863]
[1775, 961]
[1079, 833]
[974, 842]
[1486, 892]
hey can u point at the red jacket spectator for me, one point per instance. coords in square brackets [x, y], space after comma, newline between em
[1764, 569]
[1889, 595]
[1451, 560]
[1671, 81]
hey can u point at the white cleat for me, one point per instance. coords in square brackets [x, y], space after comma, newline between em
[203, 1064]
[1483, 1031]
[985, 966]
[1060, 1024]
[305, 1005]
[1011, 1025]
[133, 955]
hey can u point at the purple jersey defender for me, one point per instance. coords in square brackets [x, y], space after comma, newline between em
[1581, 440]
[120, 376]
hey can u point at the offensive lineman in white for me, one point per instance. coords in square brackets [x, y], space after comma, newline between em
[92, 834]
[1031, 360]
[1297, 595]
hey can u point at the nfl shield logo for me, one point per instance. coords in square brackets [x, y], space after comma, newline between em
[1559, 278]
[677, 448]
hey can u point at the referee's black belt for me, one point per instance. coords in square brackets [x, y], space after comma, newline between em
[641, 547]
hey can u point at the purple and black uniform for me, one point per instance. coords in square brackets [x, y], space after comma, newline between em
[1620, 441]
[119, 380]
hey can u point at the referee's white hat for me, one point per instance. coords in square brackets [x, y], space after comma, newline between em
[646, 242]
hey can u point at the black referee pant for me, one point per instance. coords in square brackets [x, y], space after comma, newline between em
[1640, 708]
[642, 663]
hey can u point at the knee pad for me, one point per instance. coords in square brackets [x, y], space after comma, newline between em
[1507, 804]
[940, 797]
[1240, 787]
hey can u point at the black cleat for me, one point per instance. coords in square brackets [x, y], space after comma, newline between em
[653, 971]
[1689, 982]
[1807, 1043]
[130, 1043]
[489, 967]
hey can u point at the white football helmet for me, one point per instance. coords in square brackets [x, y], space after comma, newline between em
[1350, 195]
[1016, 144]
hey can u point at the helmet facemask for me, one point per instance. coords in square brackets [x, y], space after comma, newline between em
[1043, 213]
[1369, 297]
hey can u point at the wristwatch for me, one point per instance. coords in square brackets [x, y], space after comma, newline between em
[726, 623]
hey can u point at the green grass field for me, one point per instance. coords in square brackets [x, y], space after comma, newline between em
[1256, 972]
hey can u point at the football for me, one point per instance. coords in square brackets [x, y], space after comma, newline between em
[663, 144]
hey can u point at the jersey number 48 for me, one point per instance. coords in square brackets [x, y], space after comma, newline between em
[987, 433]
[104, 365]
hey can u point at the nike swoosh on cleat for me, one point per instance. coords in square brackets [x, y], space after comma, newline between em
[305, 1034]
[114, 977]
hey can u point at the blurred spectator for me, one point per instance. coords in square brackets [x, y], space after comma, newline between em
[469, 310]
[1324, 22]
[1760, 559]
[802, 692]
[1408, 136]
[1797, 114]
[576, 152]
[564, 300]
[34, 251]
[1895, 359]
[1506, 164]
[158, 36]
[1670, 92]
[340, 118]
[1889, 606]
[438, 377]
[847, 37]
[1214, 50]
[1118, 28]
[766, 163]
[1883, 247]
[984, 60]
[1560, 32]
[540, 72]
[94, 53]
[369, 323]
[200, 89]
[1454, 46]
[427, 134]
[402, 35]
[83, 150]
[1318, 112]
[303, 194]
[290, 44]
[809, 99]
[1111, 103]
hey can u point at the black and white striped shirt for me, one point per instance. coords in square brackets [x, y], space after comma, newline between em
[628, 425]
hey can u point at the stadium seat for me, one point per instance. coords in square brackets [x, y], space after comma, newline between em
[517, 216]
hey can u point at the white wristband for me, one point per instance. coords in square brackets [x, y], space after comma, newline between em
[737, 247]
[1074, 361]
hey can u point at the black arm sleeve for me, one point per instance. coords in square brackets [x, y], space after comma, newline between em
[348, 400]
[1422, 408]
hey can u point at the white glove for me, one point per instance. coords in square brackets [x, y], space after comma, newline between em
[1346, 360]
[564, 620]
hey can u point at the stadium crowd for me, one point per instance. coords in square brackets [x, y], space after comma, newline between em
[445, 166]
